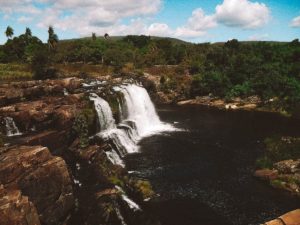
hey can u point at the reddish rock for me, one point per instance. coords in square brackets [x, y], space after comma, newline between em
[40, 176]
[266, 174]
[16, 209]
[290, 218]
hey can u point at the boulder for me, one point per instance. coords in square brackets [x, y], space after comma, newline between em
[40, 176]
[266, 174]
[290, 218]
[16, 209]
[288, 166]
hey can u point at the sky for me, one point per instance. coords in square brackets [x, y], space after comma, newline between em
[191, 20]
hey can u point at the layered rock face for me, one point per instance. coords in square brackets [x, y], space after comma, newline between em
[16, 91]
[16, 209]
[42, 178]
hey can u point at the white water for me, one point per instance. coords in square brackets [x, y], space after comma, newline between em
[119, 215]
[114, 158]
[11, 128]
[132, 205]
[141, 111]
[138, 119]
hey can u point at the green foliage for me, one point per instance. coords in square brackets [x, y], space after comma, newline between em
[277, 183]
[212, 82]
[278, 149]
[116, 181]
[264, 163]
[41, 66]
[240, 90]
[231, 69]
[9, 32]
[83, 125]
[144, 188]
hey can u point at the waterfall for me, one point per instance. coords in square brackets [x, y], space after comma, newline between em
[138, 119]
[131, 204]
[141, 111]
[11, 128]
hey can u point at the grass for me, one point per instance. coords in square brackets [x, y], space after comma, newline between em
[14, 72]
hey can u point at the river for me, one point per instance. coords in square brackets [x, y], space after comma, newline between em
[204, 173]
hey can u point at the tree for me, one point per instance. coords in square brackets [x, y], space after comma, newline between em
[52, 39]
[94, 37]
[9, 32]
[28, 32]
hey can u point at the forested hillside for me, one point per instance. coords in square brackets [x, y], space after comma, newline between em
[231, 69]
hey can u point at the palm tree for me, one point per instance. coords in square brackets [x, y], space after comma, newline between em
[106, 36]
[94, 37]
[9, 32]
[52, 39]
[28, 32]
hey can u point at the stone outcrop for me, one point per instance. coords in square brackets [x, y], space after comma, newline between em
[43, 178]
[16, 209]
[18, 91]
[290, 218]
[55, 112]
[250, 103]
[284, 175]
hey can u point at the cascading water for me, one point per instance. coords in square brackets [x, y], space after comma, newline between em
[141, 111]
[138, 119]
[11, 128]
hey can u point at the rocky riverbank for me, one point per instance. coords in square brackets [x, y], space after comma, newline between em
[51, 170]
[54, 169]
[284, 175]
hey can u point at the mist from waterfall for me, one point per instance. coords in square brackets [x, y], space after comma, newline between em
[138, 119]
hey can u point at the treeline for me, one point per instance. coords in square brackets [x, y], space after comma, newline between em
[231, 69]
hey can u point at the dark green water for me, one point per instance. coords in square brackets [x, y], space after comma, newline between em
[204, 175]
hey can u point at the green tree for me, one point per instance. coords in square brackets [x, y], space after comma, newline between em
[94, 37]
[52, 39]
[9, 32]
[28, 33]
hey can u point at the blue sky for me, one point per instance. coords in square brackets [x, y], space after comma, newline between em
[193, 20]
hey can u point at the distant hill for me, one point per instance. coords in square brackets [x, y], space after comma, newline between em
[119, 38]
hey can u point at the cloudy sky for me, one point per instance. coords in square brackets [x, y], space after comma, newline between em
[192, 20]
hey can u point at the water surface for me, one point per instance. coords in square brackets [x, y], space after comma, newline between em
[204, 175]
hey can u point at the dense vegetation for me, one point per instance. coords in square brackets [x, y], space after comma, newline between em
[231, 69]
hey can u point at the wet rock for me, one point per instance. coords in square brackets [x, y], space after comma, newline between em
[249, 103]
[16, 209]
[266, 174]
[40, 176]
[288, 166]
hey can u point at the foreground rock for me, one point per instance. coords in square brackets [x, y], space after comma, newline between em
[43, 178]
[285, 175]
[16, 209]
[290, 218]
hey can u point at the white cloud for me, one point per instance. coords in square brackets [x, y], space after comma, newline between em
[24, 19]
[108, 16]
[242, 13]
[159, 29]
[295, 22]
[199, 21]
[197, 25]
